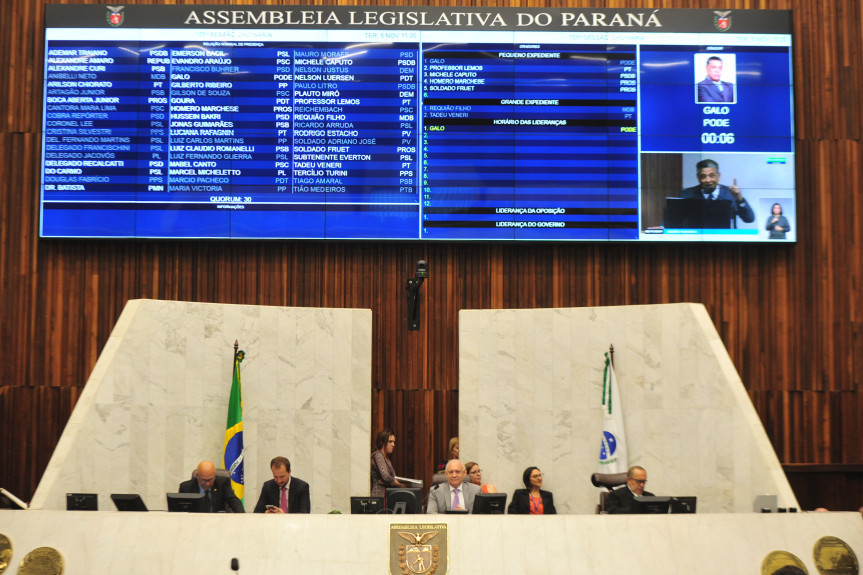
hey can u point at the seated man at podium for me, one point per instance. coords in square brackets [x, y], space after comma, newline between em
[622, 499]
[283, 493]
[455, 494]
[709, 188]
[219, 495]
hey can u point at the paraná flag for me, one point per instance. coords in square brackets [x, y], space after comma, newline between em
[612, 450]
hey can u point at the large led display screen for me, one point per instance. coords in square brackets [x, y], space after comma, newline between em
[377, 123]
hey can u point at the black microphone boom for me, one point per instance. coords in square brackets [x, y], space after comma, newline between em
[413, 289]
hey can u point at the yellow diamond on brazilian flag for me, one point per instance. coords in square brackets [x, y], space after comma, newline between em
[232, 459]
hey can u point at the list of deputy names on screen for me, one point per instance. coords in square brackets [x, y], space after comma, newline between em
[279, 126]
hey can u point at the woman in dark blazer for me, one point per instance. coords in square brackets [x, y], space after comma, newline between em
[532, 500]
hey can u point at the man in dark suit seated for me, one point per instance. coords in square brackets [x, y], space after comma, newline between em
[219, 495]
[622, 499]
[283, 493]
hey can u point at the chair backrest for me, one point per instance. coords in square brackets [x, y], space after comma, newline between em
[609, 481]
[219, 473]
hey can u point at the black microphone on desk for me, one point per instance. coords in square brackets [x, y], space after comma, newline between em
[235, 564]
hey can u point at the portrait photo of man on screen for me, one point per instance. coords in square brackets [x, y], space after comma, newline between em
[715, 75]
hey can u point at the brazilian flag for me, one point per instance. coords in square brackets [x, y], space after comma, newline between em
[232, 459]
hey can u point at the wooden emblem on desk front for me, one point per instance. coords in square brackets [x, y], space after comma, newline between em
[418, 548]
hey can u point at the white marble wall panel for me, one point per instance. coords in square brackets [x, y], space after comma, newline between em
[530, 386]
[156, 402]
[145, 543]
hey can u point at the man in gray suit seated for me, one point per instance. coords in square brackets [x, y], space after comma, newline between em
[455, 494]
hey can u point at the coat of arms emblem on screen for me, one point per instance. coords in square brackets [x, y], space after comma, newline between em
[722, 20]
[419, 549]
[115, 15]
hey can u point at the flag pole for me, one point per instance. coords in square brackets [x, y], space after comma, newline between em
[611, 353]
[236, 347]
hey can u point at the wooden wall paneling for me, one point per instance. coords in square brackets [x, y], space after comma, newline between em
[661, 175]
[20, 67]
[837, 487]
[33, 419]
[846, 431]
[17, 253]
[438, 320]
[801, 446]
[789, 405]
[812, 427]
[772, 414]
[454, 274]
[423, 421]
[475, 275]
[574, 275]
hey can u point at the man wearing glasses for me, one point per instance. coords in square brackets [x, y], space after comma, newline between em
[621, 500]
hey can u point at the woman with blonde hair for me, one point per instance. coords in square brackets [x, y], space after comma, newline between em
[474, 474]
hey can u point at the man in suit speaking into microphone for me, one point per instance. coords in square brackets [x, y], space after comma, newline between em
[455, 494]
[709, 188]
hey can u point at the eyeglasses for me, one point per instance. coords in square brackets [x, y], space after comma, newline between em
[475, 471]
[640, 480]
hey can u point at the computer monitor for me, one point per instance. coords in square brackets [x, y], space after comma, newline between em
[404, 500]
[652, 504]
[186, 502]
[489, 504]
[82, 502]
[128, 502]
[683, 504]
[366, 505]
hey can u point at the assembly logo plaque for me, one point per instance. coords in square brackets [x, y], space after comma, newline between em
[418, 548]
